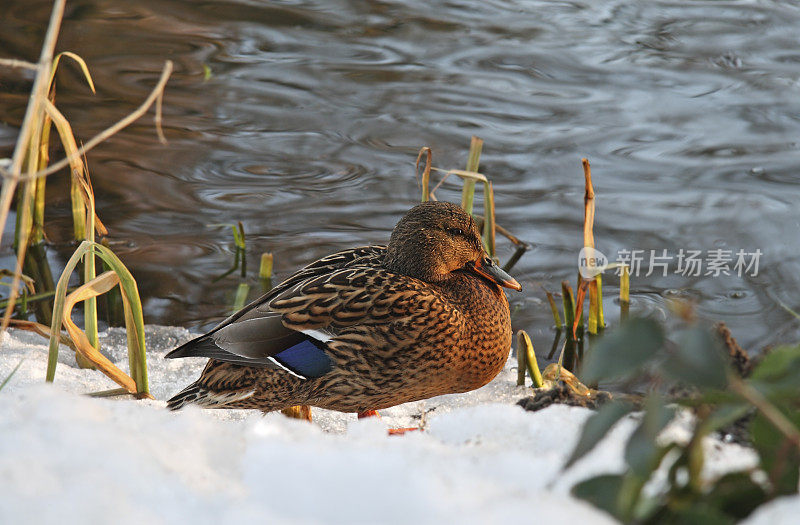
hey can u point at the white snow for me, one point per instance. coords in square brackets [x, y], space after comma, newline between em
[69, 458]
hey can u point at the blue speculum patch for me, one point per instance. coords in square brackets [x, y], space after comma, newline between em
[306, 358]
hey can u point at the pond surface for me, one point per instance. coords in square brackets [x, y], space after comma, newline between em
[303, 121]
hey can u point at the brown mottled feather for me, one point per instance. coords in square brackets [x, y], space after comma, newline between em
[405, 327]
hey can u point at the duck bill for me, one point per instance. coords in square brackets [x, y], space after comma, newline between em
[487, 268]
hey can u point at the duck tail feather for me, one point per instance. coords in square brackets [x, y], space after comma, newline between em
[197, 347]
[206, 398]
[190, 394]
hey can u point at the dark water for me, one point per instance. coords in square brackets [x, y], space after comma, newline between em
[309, 125]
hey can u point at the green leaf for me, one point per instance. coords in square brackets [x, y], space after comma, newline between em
[779, 372]
[726, 415]
[596, 427]
[623, 351]
[642, 452]
[601, 491]
[778, 457]
[698, 360]
[699, 513]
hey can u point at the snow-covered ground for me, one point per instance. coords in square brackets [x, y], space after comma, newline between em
[68, 458]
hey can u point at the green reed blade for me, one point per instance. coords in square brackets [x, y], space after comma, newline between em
[37, 267]
[134, 318]
[113, 298]
[567, 357]
[89, 273]
[238, 235]
[242, 291]
[83, 212]
[58, 308]
[265, 271]
[593, 313]
[624, 293]
[488, 223]
[568, 299]
[114, 392]
[601, 320]
[468, 191]
[78, 211]
[554, 309]
[37, 233]
[524, 344]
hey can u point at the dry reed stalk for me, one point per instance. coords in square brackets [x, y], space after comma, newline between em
[38, 102]
[581, 297]
[595, 298]
[33, 115]
[43, 330]
[14, 63]
[136, 383]
[426, 173]
[156, 93]
[84, 346]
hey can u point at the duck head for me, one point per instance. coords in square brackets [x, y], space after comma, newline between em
[435, 239]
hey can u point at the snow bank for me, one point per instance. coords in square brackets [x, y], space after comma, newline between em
[68, 458]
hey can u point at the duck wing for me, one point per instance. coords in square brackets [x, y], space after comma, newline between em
[369, 307]
[256, 335]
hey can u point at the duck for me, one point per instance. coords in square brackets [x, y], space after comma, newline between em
[367, 328]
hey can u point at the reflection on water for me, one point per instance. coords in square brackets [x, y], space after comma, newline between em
[309, 125]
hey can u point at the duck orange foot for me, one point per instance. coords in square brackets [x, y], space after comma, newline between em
[298, 412]
[392, 431]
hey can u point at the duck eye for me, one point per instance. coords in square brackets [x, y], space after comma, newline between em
[455, 231]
